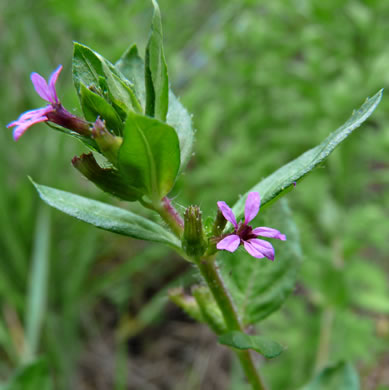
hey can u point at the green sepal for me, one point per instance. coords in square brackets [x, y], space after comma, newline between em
[107, 179]
[149, 156]
[239, 340]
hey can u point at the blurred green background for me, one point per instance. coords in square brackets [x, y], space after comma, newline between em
[265, 81]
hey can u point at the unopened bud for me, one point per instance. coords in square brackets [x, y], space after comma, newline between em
[219, 224]
[193, 241]
[108, 143]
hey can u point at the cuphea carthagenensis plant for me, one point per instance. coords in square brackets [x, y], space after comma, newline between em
[133, 120]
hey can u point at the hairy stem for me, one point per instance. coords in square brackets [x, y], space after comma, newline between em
[171, 216]
[210, 272]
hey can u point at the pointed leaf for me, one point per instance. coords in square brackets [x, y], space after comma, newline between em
[104, 216]
[268, 348]
[94, 71]
[132, 67]
[149, 155]
[179, 118]
[282, 180]
[156, 77]
[342, 376]
[259, 286]
[94, 106]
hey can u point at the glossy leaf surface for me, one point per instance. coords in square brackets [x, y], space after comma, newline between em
[150, 155]
[282, 180]
[104, 216]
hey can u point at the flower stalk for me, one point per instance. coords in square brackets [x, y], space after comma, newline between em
[210, 272]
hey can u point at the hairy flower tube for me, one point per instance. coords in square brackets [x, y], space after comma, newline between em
[54, 112]
[244, 234]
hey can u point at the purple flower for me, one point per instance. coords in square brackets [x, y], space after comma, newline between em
[47, 92]
[245, 234]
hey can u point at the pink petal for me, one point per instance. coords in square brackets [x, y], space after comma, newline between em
[21, 129]
[229, 243]
[28, 119]
[259, 248]
[227, 212]
[28, 115]
[251, 209]
[252, 251]
[52, 81]
[269, 232]
[41, 87]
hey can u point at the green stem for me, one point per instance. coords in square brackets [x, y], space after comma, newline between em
[210, 272]
[327, 319]
[171, 216]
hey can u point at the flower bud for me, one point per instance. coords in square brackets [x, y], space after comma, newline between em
[193, 241]
[219, 224]
[108, 143]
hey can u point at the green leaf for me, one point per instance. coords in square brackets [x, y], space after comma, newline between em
[94, 106]
[87, 67]
[132, 67]
[268, 348]
[120, 90]
[281, 181]
[156, 77]
[342, 376]
[179, 118]
[38, 283]
[107, 179]
[88, 142]
[104, 216]
[94, 71]
[260, 286]
[149, 155]
[33, 376]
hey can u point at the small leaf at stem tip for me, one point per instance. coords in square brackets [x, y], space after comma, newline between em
[156, 76]
[268, 348]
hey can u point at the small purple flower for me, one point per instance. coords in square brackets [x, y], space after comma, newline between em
[47, 92]
[245, 234]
